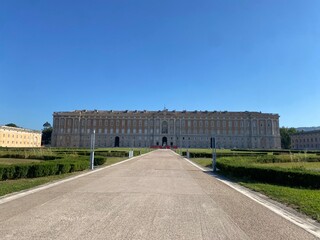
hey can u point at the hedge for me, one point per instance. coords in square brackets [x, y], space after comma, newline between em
[209, 155]
[41, 169]
[23, 156]
[99, 161]
[282, 176]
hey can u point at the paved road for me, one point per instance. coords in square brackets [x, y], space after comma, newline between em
[156, 196]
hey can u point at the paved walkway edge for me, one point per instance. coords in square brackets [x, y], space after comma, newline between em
[308, 225]
[23, 193]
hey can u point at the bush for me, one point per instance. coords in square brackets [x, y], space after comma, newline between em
[43, 169]
[64, 168]
[79, 166]
[99, 161]
[8, 172]
[21, 171]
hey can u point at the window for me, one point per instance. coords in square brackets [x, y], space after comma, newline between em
[164, 127]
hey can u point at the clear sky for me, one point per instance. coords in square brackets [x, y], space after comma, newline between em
[248, 55]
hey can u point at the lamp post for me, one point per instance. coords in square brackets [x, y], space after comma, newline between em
[214, 158]
[93, 136]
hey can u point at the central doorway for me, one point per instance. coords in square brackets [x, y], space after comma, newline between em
[117, 142]
[164, 141]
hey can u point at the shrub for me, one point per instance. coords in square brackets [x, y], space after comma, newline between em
[43, 169]
[99, 161]
[8, 172]
[21, 171]
[79, 166]
[64, 168]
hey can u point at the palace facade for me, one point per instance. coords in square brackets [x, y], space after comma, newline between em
[194, 129]
[19, 137]
[309, 140]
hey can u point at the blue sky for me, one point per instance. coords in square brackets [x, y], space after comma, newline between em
[229, 55]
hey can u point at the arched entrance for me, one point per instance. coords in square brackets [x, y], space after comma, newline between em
[164, 141]
[117, 142]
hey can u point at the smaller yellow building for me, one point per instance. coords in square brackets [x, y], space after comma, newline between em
[19, 137]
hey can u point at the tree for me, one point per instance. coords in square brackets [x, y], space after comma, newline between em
[46, 134]
[285, 137]
[11, 125]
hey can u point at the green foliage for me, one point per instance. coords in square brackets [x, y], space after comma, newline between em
[41, 169]
[220, 154]
[46, 134]
[64, 168]
[8, 172]
[79, 166]
[11, 125]
[21, 171]
[285, 137]
[99, 161]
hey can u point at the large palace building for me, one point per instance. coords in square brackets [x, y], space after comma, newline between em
[195, 129]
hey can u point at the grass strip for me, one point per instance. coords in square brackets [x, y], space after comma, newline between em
[304, 200]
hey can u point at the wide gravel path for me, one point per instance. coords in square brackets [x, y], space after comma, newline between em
[155, 196]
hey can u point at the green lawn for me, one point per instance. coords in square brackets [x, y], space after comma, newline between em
[303, 200]
[205, 162]
[297, 165]
[10, 161]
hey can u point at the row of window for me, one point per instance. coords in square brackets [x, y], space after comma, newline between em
[15, 142]
[17, 136]
[306, 140]
[165, 131]
[301, 146]
[189, 123]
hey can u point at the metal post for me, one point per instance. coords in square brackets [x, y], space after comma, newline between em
[93, 136]
[214, 158]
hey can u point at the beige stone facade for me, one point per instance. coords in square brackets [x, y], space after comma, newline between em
[19, 137]
[193, 129]
[306, 140]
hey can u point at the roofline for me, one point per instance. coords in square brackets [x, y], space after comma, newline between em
[19, 129]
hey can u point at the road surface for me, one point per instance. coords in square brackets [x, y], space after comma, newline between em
[155, 196]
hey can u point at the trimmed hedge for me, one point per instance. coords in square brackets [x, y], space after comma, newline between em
[282, 176]
[23, 156]
[209, 155]
[41, 169]
[99, 161]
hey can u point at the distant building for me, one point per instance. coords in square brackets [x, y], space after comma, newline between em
[19, 137]
[194, 129]
[306, 140]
